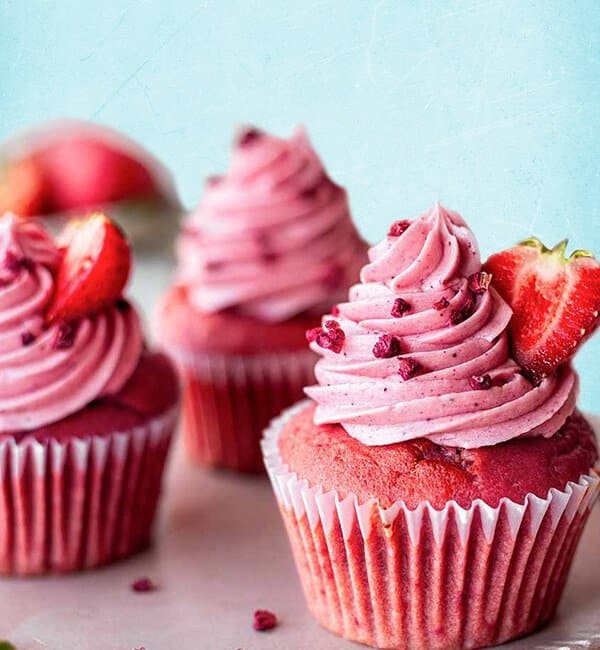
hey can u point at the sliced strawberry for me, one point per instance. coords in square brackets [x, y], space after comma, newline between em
[555, 301]
[93, 271]
[21, 188]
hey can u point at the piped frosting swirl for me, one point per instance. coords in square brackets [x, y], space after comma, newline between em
[273, 237]
[425, 351]
[49, 372]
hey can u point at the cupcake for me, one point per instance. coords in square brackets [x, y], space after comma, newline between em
[55, 170]
[87, 412]
[270, 246]
[434, 489]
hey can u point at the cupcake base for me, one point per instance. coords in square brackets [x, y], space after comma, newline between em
[229, 400]
[78, 504]
[425, 578]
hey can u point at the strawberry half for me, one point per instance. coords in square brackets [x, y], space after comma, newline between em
[93, 270]
[21, 188]
[555, 301]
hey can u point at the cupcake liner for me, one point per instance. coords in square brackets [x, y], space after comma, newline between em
[79, 503]
[425, 578]
[229, 400]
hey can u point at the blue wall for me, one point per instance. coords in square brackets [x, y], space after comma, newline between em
[491, 106]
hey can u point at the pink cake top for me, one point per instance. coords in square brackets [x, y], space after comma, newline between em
[49, 372]
[273, 237]
[421, 350]
[418, 470]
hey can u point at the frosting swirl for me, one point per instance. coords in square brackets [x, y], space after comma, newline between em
[272, 238]
[47, 373]
[422, 349]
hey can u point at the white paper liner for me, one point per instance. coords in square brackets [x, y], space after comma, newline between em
[229, 400]
[76, 504]
[426, 578]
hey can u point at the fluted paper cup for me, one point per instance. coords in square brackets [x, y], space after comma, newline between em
[425, 578]
[80, 503]
[228, 400]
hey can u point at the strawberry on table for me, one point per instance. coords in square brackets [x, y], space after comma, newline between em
[555, 301]
[93, 270]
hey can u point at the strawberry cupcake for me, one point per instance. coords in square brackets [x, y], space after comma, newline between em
[87, 412]
[436, 484]
[270, 246]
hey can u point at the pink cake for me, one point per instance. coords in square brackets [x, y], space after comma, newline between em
[86, 412]
[433, 494]
[419, 470]
[270, 246]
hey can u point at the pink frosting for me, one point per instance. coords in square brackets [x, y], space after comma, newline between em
[47, 373]
[272, 238]
[429, 389]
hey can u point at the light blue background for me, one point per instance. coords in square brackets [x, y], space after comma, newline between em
[491, 106]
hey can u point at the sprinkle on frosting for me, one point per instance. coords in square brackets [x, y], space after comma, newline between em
[400, 308]
[480, 382]
[329, 337]
[452, 342]
[273, 238]
[398, 228]
[408, 368]
[65, 335]
[50, 372]
[27, 337]
[386, 346]
[479, 282]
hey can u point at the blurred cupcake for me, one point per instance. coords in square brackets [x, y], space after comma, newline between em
[86, 411]
[57, 170]
[432, 493]
[270, 246]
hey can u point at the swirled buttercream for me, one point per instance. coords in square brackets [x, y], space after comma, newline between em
[422, 351]
[49, 372]
[273, 237]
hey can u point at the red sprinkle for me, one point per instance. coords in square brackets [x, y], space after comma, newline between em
[213, 180]
[480, 382]
[333, 341]
[330, 337]
[335, 310]
[14, 263]
[143, 585]
[65, 336]
[398, 228]
[459, 315]
[27, 338]
[479, 282]
[440, 304]
[408, 368]
[264, 620]
[387, 346]
[267, 254]
[400, 307]
[310, 192]
[214, 265]
[248, 136]
[311, 335]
